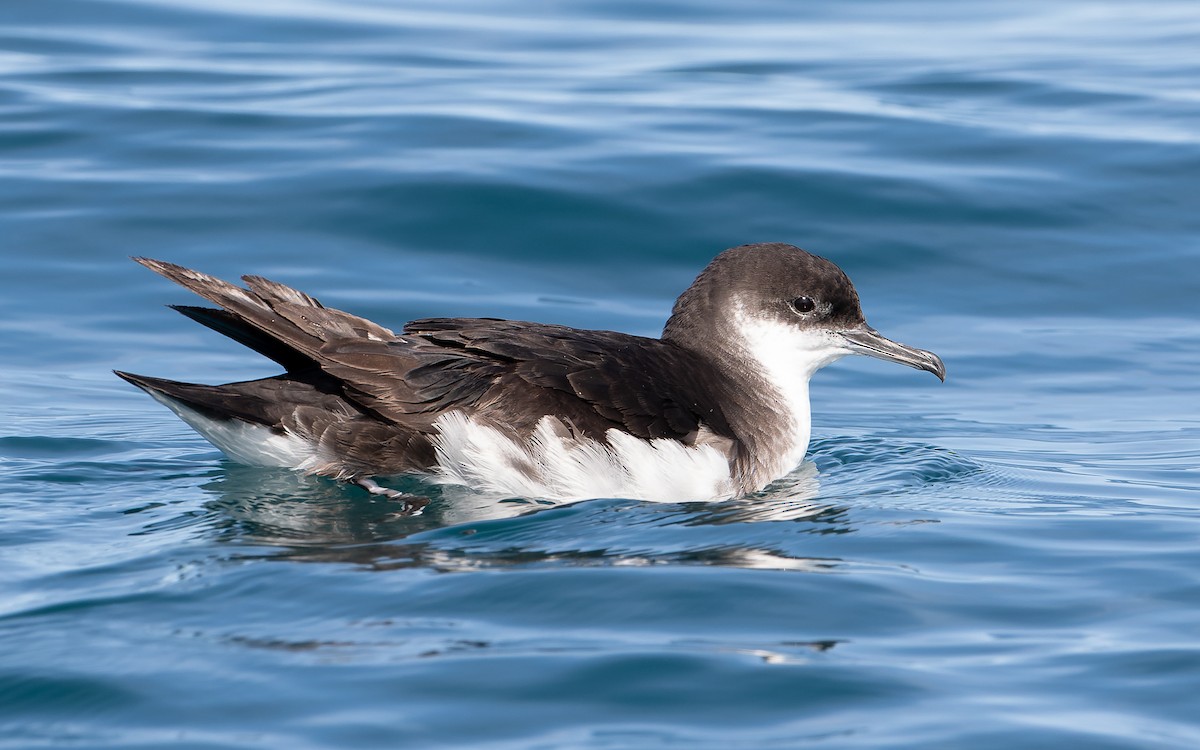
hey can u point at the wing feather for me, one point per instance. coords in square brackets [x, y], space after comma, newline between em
[511, 372]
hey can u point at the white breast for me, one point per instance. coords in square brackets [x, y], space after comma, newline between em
[554, 465]
[787, 356]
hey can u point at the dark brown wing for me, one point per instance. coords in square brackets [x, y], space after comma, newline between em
[596, 379]
[402, 379]
[510, 372]
[290, 317]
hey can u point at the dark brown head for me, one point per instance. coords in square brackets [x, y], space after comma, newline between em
[786, 308]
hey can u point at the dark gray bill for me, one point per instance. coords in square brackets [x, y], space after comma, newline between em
[870, 342]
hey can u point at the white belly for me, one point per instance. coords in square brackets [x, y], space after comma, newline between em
[480, 457]
[549, 465]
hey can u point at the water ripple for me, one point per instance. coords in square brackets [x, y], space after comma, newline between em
[1010, 185]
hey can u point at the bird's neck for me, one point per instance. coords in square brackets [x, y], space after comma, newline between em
[769, 364]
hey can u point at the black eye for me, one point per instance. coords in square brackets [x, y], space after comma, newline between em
[804, 304]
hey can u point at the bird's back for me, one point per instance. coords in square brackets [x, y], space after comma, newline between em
[359, 400]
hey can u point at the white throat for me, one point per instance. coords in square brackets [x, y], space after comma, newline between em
[787, 357]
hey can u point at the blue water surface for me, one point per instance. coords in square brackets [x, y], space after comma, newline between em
[1011, 559]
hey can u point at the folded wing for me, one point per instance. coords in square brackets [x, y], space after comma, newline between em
[507, 372]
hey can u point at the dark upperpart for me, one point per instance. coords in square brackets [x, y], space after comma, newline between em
[731, 368]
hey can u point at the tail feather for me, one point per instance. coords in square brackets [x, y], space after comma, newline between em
[230, 325]
[273, 292]
[209, 287]
[215, 401]
[233, 419]
[275, 320]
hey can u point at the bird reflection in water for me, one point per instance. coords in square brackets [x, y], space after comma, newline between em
[303, 518]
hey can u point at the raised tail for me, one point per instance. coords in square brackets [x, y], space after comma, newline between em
[228, 324]
[273, 319]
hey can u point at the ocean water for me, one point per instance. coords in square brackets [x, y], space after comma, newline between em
[1011, 559]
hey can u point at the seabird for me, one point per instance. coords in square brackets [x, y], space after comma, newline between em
[716, 407]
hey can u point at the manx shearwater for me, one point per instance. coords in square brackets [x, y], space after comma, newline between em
[715, 408]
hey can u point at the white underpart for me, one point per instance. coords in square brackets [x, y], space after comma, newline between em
[788, 356]
[551, 465]
[246, 443]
